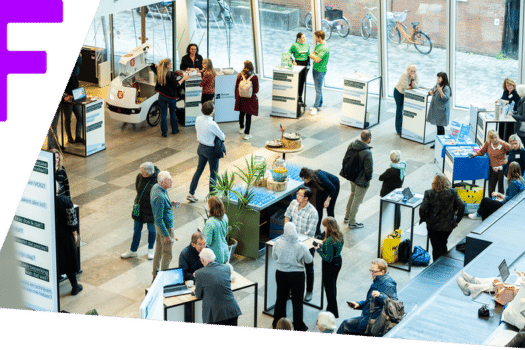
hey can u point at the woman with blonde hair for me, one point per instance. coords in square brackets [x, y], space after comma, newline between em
[167, 86]
[442, 209]
[247, 106]
[516, 154]
[61, 178]
[393, 178]
[216, 229]
[208, 81]
[497, 150]
[284, 324]
[330, 252]
[408, 80]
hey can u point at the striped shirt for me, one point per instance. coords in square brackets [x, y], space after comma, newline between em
[305, 219]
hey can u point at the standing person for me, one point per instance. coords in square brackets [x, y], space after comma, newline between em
[66, 236]
[143, 184]
[439, 111]
[393, 178]
[515, 185]
[509, 95]
[213, 286]
[71, 107]
[207, 130]
[442, 209]
[516, 154]
[359, 187]
[216, 229]
[192, 59]
[304, 216]
[189, 260]
[61, 178]
[520, 114]
[330, 252]
[320, 57]
[408, 80]
[383, 287]
[167, 87]
[246, 101]
[300, 51]
[208, 81]
[163, 216]
[497, 150]
[327, 186]
[291, 256]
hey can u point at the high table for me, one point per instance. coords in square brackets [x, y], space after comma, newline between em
[486, 121]
[415, 125]
[459, 167]
[285, 92]
[174, 307]
[387, 207]
[355, 101]
[270, 286]
[441, 145]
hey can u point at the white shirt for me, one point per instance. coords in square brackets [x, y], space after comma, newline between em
[207, 129]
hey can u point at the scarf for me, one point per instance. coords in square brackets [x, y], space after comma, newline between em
[401, 166]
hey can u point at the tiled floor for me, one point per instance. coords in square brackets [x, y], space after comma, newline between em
[103, 186]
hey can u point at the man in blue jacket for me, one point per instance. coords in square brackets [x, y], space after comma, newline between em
[383, 287]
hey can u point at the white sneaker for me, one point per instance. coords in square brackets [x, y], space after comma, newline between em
[474, 216]
[128, 254]
[313, 111]
[312, 108]
[151, 254]
[191, 198]
[319, 108]
[247, 136]
[241, 131]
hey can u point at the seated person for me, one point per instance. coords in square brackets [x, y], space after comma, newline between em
[383, 287]
[514, 186]
[326, 322]
[189, 259]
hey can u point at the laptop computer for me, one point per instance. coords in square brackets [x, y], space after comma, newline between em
[174, 283]
[505, 274]
[79, 95]
[409, 196]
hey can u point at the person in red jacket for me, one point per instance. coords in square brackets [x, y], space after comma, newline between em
[247, 106]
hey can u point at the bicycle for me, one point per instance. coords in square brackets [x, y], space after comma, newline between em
[366, 23]
[421, 40]
[333, 19]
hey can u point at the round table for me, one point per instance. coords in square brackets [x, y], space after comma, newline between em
[284, 150]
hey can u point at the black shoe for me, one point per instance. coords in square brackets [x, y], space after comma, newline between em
[432, 146]
[164, 135]
[77, 289]
[175, 132]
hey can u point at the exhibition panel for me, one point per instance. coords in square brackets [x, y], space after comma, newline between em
[359, 110]
[285, 92]
[415, 125]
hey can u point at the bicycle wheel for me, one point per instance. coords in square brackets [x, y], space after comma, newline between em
[394, 36]
[343, 27]
[326, 28]
[366, 27]
[422, 42]
[308, 21]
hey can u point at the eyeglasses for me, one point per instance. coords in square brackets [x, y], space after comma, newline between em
[374, 271]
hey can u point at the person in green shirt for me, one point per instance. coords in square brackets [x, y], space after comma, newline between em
[216, 229]
[300, 51]
[320, 56]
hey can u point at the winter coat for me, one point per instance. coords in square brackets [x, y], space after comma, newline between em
[391, 180]
[66, 223]
[146, 213]
[441, 211]
[520, 119]
[365, 162]
[439, 110]
[247, 105]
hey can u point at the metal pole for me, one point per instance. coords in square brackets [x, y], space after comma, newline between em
[208, 29]
[173, 34]
[112, 44]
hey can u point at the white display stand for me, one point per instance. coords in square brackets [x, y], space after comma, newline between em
[192, 100]
[95, 127]
[34, 228]
[355, 101]
[440, 148]
[415, 125]
[225, 97]
[285, 92]
[486, 122]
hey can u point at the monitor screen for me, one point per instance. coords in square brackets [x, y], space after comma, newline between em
[79, 93]
[504, 270]
[173, 276]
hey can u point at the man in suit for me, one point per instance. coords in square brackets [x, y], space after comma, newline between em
[213, 286]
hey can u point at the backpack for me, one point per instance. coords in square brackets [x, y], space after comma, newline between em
[246, 87]
[391, 314]
[420, 257]
[403, 252]
[351, 165]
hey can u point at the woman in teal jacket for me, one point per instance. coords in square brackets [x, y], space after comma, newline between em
[216, 229]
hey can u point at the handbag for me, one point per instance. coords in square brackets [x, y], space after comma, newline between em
[504, 292]
[136, 206]
[420, 257]
[391, 246]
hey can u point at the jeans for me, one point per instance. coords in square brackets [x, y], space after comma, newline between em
[290, 282]
[205, 155]
[350, 326]
[400, 100]
[164, 102]
[330, 273]
[309, 269]
[320, 198]
[70, 108]
[488, 206]
[438, 239]
[248, 122]
[318, 83]
[357, 194]
[137, 231]
[51, 141]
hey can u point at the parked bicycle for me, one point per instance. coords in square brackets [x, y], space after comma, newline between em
[395, 28]
[366, 23]
[333, 20]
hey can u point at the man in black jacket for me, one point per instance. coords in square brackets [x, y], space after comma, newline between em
[189, 259]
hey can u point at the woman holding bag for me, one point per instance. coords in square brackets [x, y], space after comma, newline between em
[246, 105]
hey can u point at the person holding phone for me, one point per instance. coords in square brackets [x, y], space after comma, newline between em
[383, 287]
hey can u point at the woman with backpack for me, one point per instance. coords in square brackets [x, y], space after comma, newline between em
[246, 102]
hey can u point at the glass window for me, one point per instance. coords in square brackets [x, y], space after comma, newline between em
[486, 49]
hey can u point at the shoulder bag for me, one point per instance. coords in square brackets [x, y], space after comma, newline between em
[136, 206]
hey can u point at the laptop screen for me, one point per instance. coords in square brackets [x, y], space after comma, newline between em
[407, 193]
[504, 270]
[173, 276]
[79, 93]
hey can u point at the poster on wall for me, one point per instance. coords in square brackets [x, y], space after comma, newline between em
[95, 127]
[33, 229]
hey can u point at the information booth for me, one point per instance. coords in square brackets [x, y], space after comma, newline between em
[359, 111]
[415, 125]
[285, 92]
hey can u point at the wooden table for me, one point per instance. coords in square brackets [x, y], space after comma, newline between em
[283, 150]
